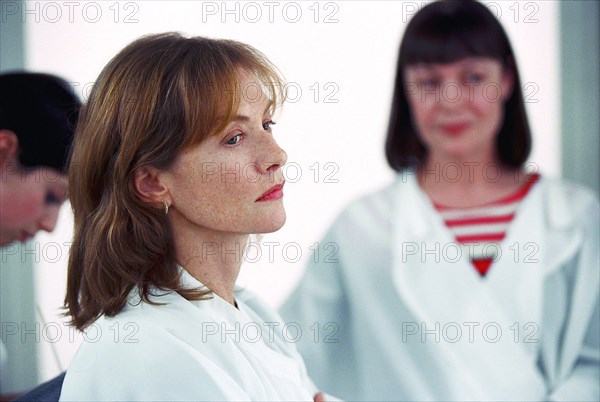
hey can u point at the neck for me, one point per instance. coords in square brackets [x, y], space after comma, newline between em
[466, 182]
[480, 171]
[213, 258]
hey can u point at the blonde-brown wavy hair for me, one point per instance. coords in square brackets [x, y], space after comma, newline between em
[158, 96]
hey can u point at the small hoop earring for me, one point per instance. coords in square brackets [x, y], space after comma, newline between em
[166, 207]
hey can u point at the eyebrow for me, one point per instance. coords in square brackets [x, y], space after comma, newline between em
[240, 117]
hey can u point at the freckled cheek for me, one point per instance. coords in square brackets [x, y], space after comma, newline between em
[238, 175]
[224, 188]
[240, 190]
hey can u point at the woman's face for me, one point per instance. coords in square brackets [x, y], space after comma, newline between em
[30, 201]
[232, 182]
[458, 108]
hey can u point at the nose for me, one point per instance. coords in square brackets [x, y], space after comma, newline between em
[453, 94]
[48, 220]
[273, 158]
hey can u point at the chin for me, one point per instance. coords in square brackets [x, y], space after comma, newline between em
[459, 151]
[272, 223]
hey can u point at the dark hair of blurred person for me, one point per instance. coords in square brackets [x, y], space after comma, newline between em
[38, 113]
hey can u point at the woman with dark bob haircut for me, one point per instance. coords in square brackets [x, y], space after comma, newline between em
[468, 278]
[174, 164]
[439, 36]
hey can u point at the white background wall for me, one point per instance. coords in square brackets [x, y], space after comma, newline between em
[334, 137]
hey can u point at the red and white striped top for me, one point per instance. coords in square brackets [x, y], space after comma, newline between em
[479, 230]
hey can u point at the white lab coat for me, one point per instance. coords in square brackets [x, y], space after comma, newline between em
[188, 350]
[409, 318]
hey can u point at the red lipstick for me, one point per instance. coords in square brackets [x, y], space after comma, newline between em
[455, 128]
[272, 194]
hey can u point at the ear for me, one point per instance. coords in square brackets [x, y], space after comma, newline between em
[149, 187]
[9, 147]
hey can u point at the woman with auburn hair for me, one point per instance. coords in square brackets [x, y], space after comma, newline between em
[470, 278]
[161, 223]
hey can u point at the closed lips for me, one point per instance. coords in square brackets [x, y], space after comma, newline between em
[273, 193]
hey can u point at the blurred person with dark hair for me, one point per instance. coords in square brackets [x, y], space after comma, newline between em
[468, 278]
[38, 113]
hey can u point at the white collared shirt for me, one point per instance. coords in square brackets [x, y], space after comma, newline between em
[188, 350]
